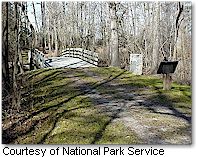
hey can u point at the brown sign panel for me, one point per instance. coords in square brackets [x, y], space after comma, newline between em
[167, 67]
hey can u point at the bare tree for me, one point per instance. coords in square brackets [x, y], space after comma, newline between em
[37, 28]
[16, 91]
[156, 40]
[115, 60]
[118, 29]
[43, 26]
[177, 25]
[5, 46]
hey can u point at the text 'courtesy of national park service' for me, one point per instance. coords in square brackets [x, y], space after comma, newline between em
[78, 151]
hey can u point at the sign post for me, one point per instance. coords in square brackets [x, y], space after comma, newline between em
[166, 68]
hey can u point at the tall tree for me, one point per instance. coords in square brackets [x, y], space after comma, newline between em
[43, 26]
[177, 25]
[156, 39]
[115, 60]
[5, 52]
[36, 23]
[16, 91]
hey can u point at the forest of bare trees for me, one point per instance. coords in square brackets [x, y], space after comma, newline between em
[157, 30]
[114, 30]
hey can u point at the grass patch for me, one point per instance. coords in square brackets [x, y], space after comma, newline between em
[80, 125]
[57, 109]
[64, 115]
[117, 133]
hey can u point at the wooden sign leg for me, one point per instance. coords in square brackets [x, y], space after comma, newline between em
[167, 81]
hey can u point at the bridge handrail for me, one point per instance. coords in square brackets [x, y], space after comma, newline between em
[38, 58]
[86, 55]
[40, 61]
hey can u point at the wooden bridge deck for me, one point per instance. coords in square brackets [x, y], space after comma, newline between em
[67, 62]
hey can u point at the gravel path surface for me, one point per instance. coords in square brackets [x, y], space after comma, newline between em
[153, 123]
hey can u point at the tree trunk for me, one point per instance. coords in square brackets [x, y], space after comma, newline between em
[49, 40]
[55, 38]
[37, 29]
[156, 42]
[5, 52]
[20, 61]
[81, 23]
[177, 25]
[115, 60]
[16, 92]
[43, 25]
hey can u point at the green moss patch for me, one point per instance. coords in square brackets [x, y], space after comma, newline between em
[57, 109]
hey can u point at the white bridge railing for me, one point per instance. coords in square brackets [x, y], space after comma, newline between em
[38, 58]
[86, 55]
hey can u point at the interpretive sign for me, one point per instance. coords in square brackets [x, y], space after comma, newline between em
[167, 67]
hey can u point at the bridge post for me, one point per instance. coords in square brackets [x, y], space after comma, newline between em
[30, 56]
[43, 60]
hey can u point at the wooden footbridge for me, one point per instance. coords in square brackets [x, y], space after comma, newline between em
[70, 58]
